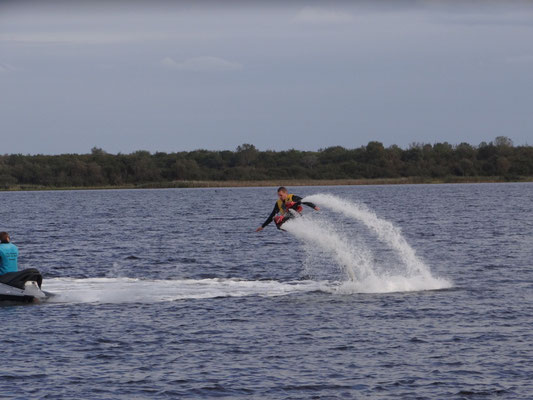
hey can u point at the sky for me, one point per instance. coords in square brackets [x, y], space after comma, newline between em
[179, 76]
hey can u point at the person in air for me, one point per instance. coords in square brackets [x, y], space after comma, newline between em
[286, 201]
[9, 254]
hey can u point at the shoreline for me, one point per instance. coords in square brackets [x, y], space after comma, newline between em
[275, 183]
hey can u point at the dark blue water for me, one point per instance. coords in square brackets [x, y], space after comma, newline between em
[171, 294]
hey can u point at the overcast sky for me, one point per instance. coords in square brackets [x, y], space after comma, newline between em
[174, 76]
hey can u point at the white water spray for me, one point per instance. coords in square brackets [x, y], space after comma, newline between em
[346, 255]
[409, 273]
[129, 290]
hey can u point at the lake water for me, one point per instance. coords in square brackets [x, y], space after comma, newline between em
[415, 291]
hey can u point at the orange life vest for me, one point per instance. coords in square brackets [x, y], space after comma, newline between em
[285, 206]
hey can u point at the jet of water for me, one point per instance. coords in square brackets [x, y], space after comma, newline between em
[410, 273]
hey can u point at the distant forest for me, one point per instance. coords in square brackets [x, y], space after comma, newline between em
[439, 162]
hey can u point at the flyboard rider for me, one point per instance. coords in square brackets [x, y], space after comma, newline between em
[281, 212]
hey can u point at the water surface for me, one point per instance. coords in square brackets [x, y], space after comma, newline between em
[171, 294]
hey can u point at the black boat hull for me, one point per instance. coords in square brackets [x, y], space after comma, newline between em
[21, 287]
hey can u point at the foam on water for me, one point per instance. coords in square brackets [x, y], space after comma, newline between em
[128, 290]
[409, 273]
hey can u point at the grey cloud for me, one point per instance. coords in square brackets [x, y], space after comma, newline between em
[6, 68]
[521, 59]
[322, 16]
[512, 20]
[95, 38]
[200, 64]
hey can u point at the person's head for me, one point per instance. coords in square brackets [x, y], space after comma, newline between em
[4, 237]
[283, 193]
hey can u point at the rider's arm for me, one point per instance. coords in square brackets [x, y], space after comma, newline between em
[271, 216]
[299, 201]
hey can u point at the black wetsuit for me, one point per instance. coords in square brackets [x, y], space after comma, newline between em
[297, 201]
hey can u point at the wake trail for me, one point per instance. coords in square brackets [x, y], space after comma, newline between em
[130, 290]
[409, 273]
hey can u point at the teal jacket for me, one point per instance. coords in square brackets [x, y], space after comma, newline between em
[9, 253]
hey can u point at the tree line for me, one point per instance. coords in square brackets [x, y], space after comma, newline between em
[499, 158]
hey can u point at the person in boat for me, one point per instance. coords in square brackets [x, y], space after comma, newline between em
[281, 212]
[9, 254]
